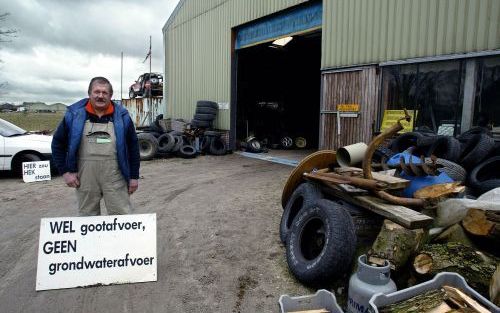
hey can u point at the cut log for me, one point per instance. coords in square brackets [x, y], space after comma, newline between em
[461, 297]
[476, 267]
[395, 244]
[483, 223]
[421, 303]
[439, 192]
[454, 233]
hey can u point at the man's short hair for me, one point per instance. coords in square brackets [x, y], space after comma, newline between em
[100, 80]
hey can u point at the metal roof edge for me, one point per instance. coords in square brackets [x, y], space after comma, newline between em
[173, 15]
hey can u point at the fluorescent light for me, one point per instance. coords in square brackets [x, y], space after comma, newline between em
[282, 41]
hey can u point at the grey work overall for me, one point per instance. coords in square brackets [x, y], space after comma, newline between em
[99, 174]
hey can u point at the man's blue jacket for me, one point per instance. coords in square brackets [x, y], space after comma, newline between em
[66, 140]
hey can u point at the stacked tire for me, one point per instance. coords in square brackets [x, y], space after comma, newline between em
[165, 144]
[205, 114]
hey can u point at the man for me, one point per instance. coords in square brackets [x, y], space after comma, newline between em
[95, 148]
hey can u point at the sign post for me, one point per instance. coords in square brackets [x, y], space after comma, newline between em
[96, 250]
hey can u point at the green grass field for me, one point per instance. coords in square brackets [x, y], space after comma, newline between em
[34, 121]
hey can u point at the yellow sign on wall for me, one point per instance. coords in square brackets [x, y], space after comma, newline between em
[348, 107]
[392, 116]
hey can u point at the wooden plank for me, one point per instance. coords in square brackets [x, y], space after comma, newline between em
[391, 181]
[399, 214]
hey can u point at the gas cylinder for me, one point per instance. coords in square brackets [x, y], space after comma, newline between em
[367, 281]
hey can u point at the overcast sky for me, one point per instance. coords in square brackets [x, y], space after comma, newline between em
[61, 44]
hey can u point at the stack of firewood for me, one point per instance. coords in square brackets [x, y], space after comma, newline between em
[454, 250]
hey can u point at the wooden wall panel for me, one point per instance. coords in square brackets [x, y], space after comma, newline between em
[360, 85]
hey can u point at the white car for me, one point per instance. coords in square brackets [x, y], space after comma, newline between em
[18, 146]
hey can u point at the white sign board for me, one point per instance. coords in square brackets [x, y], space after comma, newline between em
[86, 251]
[36, 171]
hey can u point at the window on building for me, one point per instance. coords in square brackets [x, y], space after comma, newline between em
[434, 89]
[487, 100]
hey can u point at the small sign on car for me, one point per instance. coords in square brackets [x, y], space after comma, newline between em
[36, 171]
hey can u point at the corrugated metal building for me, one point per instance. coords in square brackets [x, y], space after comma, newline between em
[440, 58]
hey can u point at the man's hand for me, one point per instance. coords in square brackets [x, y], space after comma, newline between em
[132, 186]
[71, 179]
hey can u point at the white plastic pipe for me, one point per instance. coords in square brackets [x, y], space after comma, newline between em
[352, 154]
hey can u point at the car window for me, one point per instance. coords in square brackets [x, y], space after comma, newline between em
[8, 129]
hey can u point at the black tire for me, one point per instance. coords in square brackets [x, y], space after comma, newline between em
[205, 144]
[452, 169]
[485, 176]
[148, 146]
[211, 133]
[382, 153]
[178, 143]
[206, 110]
[218, 146]
[303, 196]
[286, 142]
[254, 146]
[447, 148]
[467, 135]
[496, 150]
[176, 133]
[367, 224]
[201, 124]
[476, 150]
[17, 162]
[131, 94]
[207, 104]
[425, 143]
[204, 117]
[405, 141]
[321, 243]
[165, 143]
[187, 152]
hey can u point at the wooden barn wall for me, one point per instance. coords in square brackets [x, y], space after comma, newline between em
[351, 86]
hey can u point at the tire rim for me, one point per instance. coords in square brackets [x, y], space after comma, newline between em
[312, 239]
[300, 142]
[286, 142]
[255, 144]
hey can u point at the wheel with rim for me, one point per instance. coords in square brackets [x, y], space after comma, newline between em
[321, 244]
[17, 163]
[131, 94]
[148, 146]
[286, 142]
[300, 142]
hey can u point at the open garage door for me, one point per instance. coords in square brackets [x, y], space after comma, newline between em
[278, 83]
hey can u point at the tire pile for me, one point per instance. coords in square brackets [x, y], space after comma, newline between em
[321, 232]
[472, 157]
[154, 141]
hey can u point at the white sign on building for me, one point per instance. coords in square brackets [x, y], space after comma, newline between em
[36, 171]
[87, 251]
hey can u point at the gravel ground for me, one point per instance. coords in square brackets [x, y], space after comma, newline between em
[218, 242]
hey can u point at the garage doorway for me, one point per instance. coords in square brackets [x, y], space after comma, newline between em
[278, 91]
